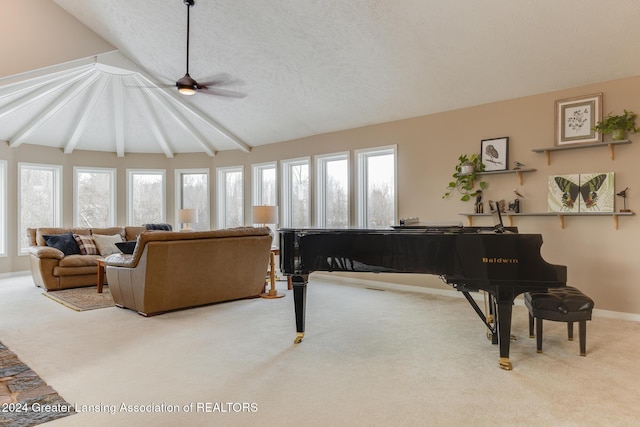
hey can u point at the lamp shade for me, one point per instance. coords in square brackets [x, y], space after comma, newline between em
[265, 214]
[186, 216]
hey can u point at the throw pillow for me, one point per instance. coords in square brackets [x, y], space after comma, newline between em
[107, 244]
[64, 242]
[127, 247]
[86, 244]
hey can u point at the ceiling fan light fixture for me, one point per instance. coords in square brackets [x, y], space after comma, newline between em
[186, 91]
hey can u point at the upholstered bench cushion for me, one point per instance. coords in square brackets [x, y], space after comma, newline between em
[566, 304]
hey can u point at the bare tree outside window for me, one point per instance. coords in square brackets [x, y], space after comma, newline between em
[230, 197]
[39, 198]
[332, 196]
[146, 197]
[194, 194]
[94, 198]
[377, 187]
[296, 193]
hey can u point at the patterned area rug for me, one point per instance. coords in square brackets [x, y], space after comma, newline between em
[82, 299]
[25, 399]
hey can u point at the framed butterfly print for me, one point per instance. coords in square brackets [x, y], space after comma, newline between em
[493, 153]
[575, 119]
[587, 192]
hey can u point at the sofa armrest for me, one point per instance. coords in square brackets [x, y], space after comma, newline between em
[45, 252]
[121, 260]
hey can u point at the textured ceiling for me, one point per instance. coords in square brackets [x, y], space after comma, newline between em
[307, 67]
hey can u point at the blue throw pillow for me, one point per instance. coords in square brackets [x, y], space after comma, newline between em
[64, 242]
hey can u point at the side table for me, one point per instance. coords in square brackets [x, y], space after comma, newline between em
[100, 262]
[272, 293]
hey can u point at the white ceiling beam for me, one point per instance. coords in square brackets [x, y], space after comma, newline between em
[8, 90]
[47, 73]
[153, 122]
[180, 119]
[94, 96]
[43, 91]
[118, 116]
[171, 95]
[50, 110]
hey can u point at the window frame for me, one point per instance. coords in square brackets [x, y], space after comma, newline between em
[361, 186]
[221, 194]
[130, 174]
[57, 197]
[321, 186]
[178, 174]
[112, 172]
[257, 169]
[3, 209]
[286, 213]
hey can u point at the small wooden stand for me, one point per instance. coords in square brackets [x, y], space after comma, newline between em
[272, 293]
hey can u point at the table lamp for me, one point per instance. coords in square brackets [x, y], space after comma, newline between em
[186, 217]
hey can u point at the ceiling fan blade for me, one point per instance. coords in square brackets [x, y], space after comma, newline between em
[221, 79]
[222, 92]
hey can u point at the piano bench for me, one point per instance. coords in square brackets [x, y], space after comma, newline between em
[566, 304]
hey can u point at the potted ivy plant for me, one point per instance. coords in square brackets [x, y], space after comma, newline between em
[618, 126]
[465, 177]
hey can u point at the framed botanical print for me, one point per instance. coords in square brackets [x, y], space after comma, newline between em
[493, 153]
[575, 119]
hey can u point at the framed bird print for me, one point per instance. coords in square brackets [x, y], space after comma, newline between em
[587, 192]
[575, 119]
[493, 153]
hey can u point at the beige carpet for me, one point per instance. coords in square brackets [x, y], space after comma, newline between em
[369, 358]
[82, 299]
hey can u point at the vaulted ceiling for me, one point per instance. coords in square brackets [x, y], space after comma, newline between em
[305, 67]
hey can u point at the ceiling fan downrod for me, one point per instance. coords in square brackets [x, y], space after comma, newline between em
[187, 85]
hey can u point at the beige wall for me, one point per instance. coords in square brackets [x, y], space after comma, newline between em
[39, 33]
[600, 260]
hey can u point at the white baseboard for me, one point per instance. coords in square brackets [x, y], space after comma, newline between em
[451, 293]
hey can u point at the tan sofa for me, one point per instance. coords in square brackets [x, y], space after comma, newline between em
[51, 269]
[174, 270]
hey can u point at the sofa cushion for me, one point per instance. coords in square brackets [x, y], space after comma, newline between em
[80, 261]
[86, 244]
[109, 231]
[107, 244]
[64, 242]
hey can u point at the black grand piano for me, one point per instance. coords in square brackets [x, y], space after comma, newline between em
[468, 258]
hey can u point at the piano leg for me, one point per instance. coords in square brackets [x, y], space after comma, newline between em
[299, 299]
[504, 307]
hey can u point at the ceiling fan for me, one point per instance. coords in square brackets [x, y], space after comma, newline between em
[188, 86]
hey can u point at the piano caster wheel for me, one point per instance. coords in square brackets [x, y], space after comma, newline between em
[299, 337]
[505, 364]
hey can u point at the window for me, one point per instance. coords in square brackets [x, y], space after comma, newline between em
[192, 192]
[376, 201]
[296, 209]
[264, 184]
[332, 194]
[230, 197]
[94, 199]
[145, 196]
[3, 208]
[40, 198]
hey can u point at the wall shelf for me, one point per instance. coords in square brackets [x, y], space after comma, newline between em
[559, 215]
[611, 144]
[518, 172]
